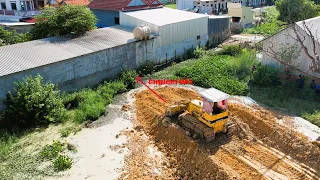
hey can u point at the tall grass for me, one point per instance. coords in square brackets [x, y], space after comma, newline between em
[89, 104]
[227, 73]
[289, 99]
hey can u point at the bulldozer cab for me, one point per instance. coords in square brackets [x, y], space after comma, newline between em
[214, 104]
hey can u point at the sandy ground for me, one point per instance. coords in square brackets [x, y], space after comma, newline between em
[101, 149]
[133, 142]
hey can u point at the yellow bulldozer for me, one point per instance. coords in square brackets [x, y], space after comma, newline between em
[206, 117]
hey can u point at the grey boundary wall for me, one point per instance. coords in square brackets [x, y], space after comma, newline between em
[91, 69]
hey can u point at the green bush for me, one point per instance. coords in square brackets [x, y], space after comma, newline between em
[62, 163]
[266, 76]
[129, 78]
[33, 103]
[65, 132]
[72, 100]
[147, 68]
[230, 50]
[198, 52]
[52, 151]
[12, 37]
[63, 21]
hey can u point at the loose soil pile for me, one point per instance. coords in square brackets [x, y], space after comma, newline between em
[184, 154]
[264, 125]
[249, 152]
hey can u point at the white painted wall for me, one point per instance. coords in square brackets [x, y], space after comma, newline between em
[184, 4]
[282, 38]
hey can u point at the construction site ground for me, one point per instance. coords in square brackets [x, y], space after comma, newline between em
[258, 146]
[136, 141]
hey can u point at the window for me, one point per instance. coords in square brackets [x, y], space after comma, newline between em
[116, 20]
[40, 4]
[22, 6]
[3, 5]
[13, 5]
[198, 37]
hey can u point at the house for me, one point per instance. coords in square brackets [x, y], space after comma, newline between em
[215, 6]
[203, 6]
[302, 38]
[241, 16]
[178, 30]
[16, 10]
[107, 12]
[69, 2]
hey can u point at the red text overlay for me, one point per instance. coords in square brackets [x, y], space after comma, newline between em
[169, 81]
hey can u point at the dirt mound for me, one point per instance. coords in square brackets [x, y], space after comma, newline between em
[258, 148]
[186, 157]
[262, 123]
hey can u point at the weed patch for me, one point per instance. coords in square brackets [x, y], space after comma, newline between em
[62, 163]
[52, 151]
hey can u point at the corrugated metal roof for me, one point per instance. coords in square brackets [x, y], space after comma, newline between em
[32, 54]
[313, 24]
[122, 5]
[163, 16]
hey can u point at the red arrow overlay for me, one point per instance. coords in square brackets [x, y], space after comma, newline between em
[138, 79]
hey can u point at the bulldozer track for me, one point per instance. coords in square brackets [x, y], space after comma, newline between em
[193, 124]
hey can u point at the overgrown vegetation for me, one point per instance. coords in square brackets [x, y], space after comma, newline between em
[296, 10]
[33, 103]
[12, 37]
[266, 29]
[52, 151]
[266, 76]
[271, 26]
[63, 21]
[227, 73]
[62, 163]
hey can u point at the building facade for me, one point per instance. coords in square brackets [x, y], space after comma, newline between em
[107, 12]
[215, 6]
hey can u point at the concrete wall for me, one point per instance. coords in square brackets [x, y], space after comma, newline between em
[105, 18]
[247, 15]
[19, 29]
[83, 71]
[91, 69]
[218, 30]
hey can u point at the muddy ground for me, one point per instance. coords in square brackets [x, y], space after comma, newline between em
[258, 147]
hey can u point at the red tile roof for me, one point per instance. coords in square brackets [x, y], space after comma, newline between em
[121, 5]
[77, 2]
[31, 20]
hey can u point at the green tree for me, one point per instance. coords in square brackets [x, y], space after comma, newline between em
[12, 37]
[63, 21]
[296, 10]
